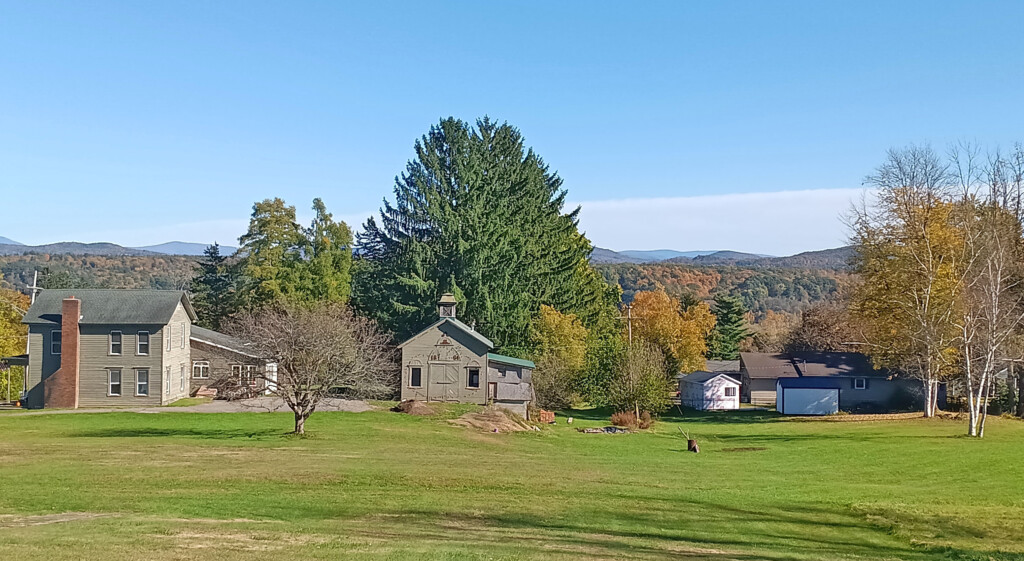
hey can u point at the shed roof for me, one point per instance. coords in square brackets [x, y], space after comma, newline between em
[461, 326]
[502, 359]
[110, 306]
[702, 376]
[809, 364]
[722, 365]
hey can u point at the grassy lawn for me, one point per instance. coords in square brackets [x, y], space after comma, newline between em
[383, 485]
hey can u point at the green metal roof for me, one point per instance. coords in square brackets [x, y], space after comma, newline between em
[110, 306]
[510, 360]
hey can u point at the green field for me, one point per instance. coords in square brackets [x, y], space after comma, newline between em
[383, 485]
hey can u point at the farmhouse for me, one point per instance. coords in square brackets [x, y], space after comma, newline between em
[103, 348]
[449, 361]
[817, 383]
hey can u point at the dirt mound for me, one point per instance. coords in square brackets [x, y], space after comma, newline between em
[493, 419]
[414, 407]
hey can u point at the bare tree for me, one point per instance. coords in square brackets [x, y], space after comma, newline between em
[319, 349]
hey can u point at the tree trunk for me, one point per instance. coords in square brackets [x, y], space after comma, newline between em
[929, 398]
[1020, 393]
[300, 423]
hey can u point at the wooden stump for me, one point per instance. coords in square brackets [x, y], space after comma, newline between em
[691, 446]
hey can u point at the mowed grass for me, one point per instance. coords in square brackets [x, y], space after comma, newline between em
[383, 485]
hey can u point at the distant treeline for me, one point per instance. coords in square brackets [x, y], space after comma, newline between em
[97, 271]
[760, 290]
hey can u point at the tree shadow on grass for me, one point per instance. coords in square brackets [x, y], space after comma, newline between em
[205, 433]
[675, 414]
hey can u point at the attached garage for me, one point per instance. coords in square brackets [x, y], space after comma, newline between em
[807, 396]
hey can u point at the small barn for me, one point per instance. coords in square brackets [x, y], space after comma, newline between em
[709, 391]
[450, 361]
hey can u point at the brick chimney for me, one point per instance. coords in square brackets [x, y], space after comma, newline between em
[61, 388]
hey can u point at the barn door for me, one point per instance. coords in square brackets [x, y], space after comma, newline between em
[444, 381]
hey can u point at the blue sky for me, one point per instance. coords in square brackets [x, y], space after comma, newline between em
[143, 122]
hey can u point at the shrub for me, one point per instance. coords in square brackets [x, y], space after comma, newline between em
[645, 420]
[624, 419]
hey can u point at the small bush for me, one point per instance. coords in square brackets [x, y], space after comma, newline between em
[628, 419]
[624, 419]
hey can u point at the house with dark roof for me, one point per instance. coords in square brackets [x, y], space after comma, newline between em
[450, 361]
[821, 383]
[108, 348]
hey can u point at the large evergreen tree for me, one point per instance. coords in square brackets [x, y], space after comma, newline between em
[730, 328]
[214, 287]
[478, 214]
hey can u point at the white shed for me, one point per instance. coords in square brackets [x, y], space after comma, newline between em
[709, 391]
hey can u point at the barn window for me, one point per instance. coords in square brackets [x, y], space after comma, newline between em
[730, 391]
[115, 342]
[860, 383]
[416, 377]
[474, 377]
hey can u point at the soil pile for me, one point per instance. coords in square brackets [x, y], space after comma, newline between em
[414, 407]
[492, 419]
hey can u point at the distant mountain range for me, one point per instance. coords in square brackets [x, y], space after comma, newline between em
[11, 247]
[838, 258]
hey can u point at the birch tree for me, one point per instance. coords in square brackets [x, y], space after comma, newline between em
[911, 261]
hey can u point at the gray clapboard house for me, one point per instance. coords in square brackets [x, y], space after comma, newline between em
[450, 361]
[108, 348]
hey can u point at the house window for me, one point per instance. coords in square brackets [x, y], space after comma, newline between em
[201, 369]
[167, 381]
[416, 377]
[115, 342]
[249, 379]
[181, 379]
[236, 372]
[730, 391]
[55, 338]
[167, 337]
[860, 383]
[183, 335]
[142, 343]
[141, 382]
[474, 377]
[114, 382]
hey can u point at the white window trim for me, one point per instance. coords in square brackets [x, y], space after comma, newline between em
[110, 382]
[138, 343]
[110, 343]
[181, 380]
[167, 337]
[137, 372]
[420, 385]
[204, 366]
[183, 335]
[167, 381]
[860, 383]
[469, 377]
[52, 342]
[251, 372]
[236, 370]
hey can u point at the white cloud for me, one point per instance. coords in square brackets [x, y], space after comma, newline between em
[775, 223]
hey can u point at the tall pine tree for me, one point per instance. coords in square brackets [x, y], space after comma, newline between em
[730, 328]
[478, 214]
[214, 294]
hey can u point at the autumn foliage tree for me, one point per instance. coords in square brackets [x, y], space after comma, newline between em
[679, 333]
[560, 343]
[13, 305]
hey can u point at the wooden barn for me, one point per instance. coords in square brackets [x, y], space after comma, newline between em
[449, 361]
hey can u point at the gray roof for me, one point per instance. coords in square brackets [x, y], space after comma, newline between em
[702, 376]
[110, 306]
[463, 327]
[217, 339]
[809, 364]
[722, 365]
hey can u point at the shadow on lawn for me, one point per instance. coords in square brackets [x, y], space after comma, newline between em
[675, 414]
[672, 532]
[147, 432]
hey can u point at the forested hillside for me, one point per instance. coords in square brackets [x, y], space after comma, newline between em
[760, 289]
[97, 271]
